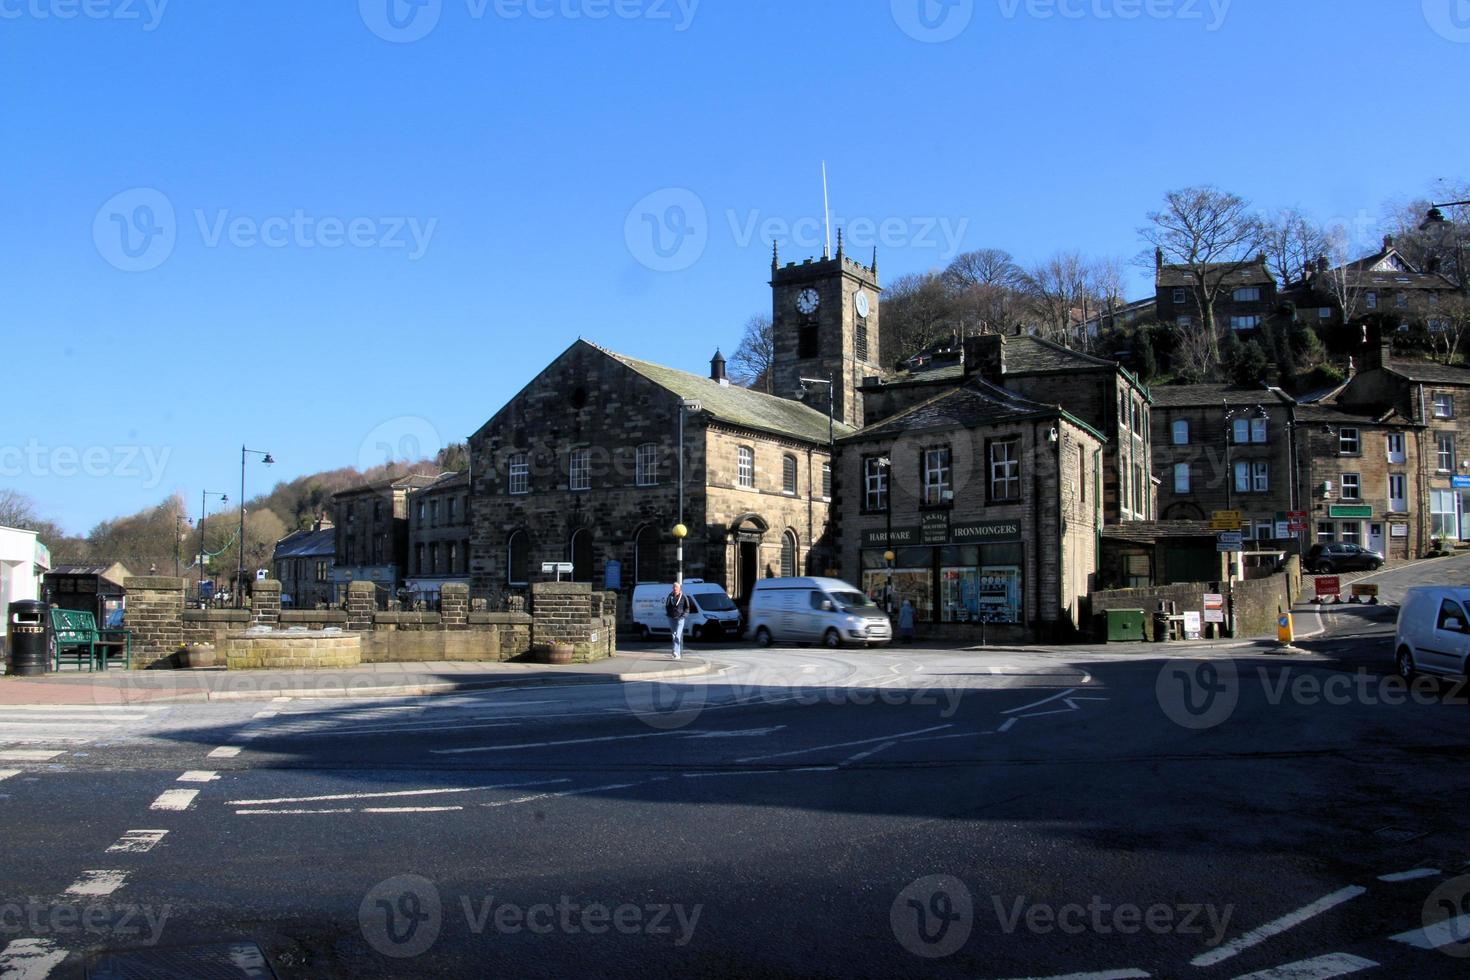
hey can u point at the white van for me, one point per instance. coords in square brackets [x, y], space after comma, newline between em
[712, 616]
[1433, 633]
[812, 610]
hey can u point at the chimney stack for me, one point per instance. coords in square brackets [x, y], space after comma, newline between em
[717, 368]
[985, 355]
[1387, 242]
[1321, 263]
[1158, 258]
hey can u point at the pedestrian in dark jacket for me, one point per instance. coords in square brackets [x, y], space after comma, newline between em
[676, 607]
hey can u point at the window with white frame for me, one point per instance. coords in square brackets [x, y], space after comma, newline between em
[788, 475]
[745, 466]
[1444, 452]
[1181, 477]
[1398, 492]
[1122, 410]
[1140, 490]
[1348, 442]
[1258, 430]
[1137, 417]
[1242, 476]
[1350, 532]
[520, 474]
[1352, 486]
[1005, 470]
[579, 470]
[1240, 431]
[1370, 300]
[875, 484]
[1396, 447]
[645, 465]
[938, 486]
[826, 481]
[1444, 405]
[1178, 294]
[1247, 294]
[1443, 521]
[1260, 476]
[1181, 432]
[1324, 313]
[1244, 322]
[1326, 532]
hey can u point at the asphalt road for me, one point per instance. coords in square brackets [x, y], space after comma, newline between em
[801, 812]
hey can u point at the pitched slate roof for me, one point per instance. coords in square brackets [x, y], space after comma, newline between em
[1342, 415]
[975, 403]
[739, 406]
[448, 481]
[1191, 396]
[306, 544]
[1252, 273]
[1029, 354]
[1429, 371]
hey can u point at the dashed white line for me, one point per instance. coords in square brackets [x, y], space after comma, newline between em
[873, 751]
[7, 773]
[98, 884]
[1410, 875]
[1037, 704]
[410, 809]
[1009, 722]
[1277, 926]
[30, 959]
[844, 745]
[569, 792]
[174, 799]
[29, 755]
[1317, 968]
[137, 842]
[565, 741]
[198, 776]
[1444, 933]
[225, 752]
[402, 792]
[265, 714]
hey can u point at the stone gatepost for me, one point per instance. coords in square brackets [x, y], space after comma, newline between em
[454, 605]
[265, 603]
[362, 606]
[564, 612]
[155, 613]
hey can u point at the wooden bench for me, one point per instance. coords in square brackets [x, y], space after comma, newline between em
[76, 634]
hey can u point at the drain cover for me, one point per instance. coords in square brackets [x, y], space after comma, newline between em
[222, 961]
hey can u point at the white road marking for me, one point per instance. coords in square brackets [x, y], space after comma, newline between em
[402, 792]
[843, 745]
[280, 699]
[873, 751]
[70, 720]
[327, 729]
[1277, 926]
[1410, 875]
[570, 792]
[759, 772]
[198, 776]
[290, 813]
[30, 959]
[1037, 704]
[84, 709]
[175, 799]
[1317, 968]
[410, 809]
[1104, 975]
[7, 773]
[565, 741]
[1006, 726]
[98, 884]
[741, 733]
[28, 755]
[137, 842]
[225, 752]
[265, 714]
[1455, 930]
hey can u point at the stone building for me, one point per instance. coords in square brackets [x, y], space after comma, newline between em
[303, 562]
[372, 533]
[1384, 282]
[1246, 292]
[990, 504]
[583, 466]
[439, 535]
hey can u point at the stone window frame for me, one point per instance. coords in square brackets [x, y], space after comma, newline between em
[518, 475]
[1343, 440]
[1444, 452]
[1396, 456]
[931, 493]
[1182, 469]
[579, 470]
[1177, 428]
[1448, 403]
[876, 497]
[789, 474]
[645, 464]
[1357, 482]
[827, 480]
[745, 467]
[1403, 498]
[1014, 462]
[520, 534]
[790, 553]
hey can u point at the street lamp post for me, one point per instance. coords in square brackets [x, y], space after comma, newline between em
[680, 531]
[267, 459]
[889, 555]
[204, 496]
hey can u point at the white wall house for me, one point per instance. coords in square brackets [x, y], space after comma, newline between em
[23, 560]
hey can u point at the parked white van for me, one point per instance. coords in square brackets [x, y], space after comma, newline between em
[812, 610]
[1433, 634]
[713, 616]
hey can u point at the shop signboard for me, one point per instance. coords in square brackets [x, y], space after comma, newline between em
[934, 527]
[879, 538]
[983, 532]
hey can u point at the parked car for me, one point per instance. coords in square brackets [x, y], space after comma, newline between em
[713, 616]
[1433, 633]
[811, 610]
[1341, 556]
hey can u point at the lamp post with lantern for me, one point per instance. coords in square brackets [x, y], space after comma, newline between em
[267, 459]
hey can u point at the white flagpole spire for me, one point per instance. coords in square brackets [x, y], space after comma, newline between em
[826, 214]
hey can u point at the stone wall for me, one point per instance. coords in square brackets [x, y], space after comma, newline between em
[570, 612]
[283, 651]
[1255, 602]
[155, 614]
[212, 625]
[265, 603]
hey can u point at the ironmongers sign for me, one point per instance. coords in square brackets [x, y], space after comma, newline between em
[938, 529]
[970, 532]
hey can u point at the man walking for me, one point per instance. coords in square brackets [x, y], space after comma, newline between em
[676, 607]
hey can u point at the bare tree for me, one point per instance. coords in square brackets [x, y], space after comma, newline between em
[1059, 292]
[1292, 243]
[1342, 282]
[1446, 317]
[987, 290]
[1106, 282]
[984, 267]
[917, 311]
[17, 510]
[1212, 234]
[1437, 241]
[751, 363]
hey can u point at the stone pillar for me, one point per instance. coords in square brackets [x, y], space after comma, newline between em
[563, 612]
[155, 613]
[362, 606]
[265, 603]
[454, 605]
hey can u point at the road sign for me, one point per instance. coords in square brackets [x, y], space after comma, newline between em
[1329, 585]
[1296, 521]
[1228, 541]
[1460, 482]
[1225, 520]
[1214, 607]
[1191, 624]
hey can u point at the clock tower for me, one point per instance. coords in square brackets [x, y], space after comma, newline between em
[824, 320]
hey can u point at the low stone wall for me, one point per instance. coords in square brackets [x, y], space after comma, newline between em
[155, 614]
[285, 651]
[417, 637]
[571, 613]
[213, 625]
[1255, 602]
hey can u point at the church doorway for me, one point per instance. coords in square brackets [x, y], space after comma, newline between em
[750, 557]
[746, 532]
[581, 555]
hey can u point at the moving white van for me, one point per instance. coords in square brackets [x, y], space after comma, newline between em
[712, 615]
[815, 610]
[1433, 633]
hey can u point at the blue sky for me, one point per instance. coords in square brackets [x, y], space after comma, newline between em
[351, 226]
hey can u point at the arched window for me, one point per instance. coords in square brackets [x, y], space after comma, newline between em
[788, 474]
[647, 566]
[788, 554]
[518, 558]
[580, 548]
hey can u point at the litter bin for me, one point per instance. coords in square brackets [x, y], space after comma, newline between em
[26, 653]
[1124, 625]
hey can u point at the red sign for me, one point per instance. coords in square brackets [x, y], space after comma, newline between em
[1328, 585]
[1296, 521]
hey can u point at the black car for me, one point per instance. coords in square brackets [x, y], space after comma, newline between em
[1341, 556]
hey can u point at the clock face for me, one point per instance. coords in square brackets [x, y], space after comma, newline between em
[862, 305]
[807, 302]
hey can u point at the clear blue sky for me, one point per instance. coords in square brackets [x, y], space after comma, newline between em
[521, 139]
